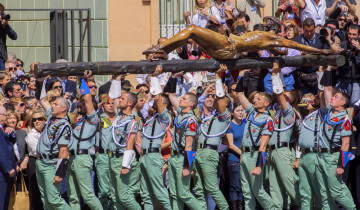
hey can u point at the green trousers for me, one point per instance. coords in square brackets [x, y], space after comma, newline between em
[206, 163]
[252, 186]
[79, 182]
[50, 192]
[152, 188]
[180, 187]
[308, 183]
[134, 184]
[106, 191]
[328, 181]
[124, 197]
[282, 177]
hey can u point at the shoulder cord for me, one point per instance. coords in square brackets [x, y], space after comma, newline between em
[79, 138]
[126, 123]
[207, 135]
[316, 129]
[152, 137]
[278, 131]
[317, 112]
[331, 141]
[286, 128]
[251, 119]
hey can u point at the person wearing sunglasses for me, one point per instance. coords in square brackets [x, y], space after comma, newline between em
[10, 66]
[18, 104]
[13, 89]
[93, 88]
[37, 121]
[56, 86]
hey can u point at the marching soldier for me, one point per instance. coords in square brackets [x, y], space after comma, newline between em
[81, 164]
[207, 159]
[52, 150]
[151, 161]
[282, 177]
[334, 140]
[106, 118]
[308, 143]
[180, 162]
[258, 130]
[121, 148]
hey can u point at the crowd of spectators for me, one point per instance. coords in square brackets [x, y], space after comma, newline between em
[323, 24]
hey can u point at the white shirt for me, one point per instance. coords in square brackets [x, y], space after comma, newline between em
[31, 140]
[202, 20]
[317, 13]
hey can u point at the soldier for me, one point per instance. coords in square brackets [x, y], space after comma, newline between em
[334, 140]
[180, 167]
[81, 164]
[151, 161]
[106, 118]
[213, 128]
[308, 142]
[52, 150]
[258, 130]
[282, 177]
[121, 148]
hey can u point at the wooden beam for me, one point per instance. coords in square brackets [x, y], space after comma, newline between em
[147, 67]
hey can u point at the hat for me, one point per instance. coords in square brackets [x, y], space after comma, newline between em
[332, 22]
[138, 92]
[104, 98]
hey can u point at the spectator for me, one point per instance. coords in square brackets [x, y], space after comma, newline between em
[32, 67]
[37, 121]
[19, 64]
[349, 76]
[331, 26]
[19, 106]
[190, 51]
[314, 9]
[204, 13]
[252, 9]
[342, 27]
[306, 77]
[13, 89]
[31, 88]
[56, 86]
[5, 30]
[10, 66]
[228, 13]
[233, 141]
[289, 10]
[291, 31]
[244, 18]
[4, 79]
[341, 7]
[31, 103]
[7, 160]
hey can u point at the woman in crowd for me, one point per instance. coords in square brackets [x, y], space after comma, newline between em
[19, 106]
[233, 141]
[291, 31]
[56, 86]
[228, 12]
[290, 11]
[36, 123]
[204, 13]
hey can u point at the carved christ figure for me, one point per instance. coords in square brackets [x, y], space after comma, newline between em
[222, 47]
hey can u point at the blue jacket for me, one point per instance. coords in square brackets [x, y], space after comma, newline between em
[7, 155]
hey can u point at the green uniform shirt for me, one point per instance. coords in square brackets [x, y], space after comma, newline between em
[285, 122]
[120, 133]
[326, 129]
[52, 132]
[307, 128]
[220, 123]
[106, 135]
[161, 122]
[87, 139]
[253, 127]
[189, 121]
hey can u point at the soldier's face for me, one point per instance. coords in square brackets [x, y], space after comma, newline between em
[259, 101]
[57, 108]
[140, 103]
[123, 101]
[109, 107]
[337, 100]
[185, 102]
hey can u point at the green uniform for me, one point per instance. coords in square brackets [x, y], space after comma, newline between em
[185, 125]
[58, 133]
[252, 186]
[328, 161]
[121, 131]
[282, 177]
[308, 142]
[106, 190]
[79, 171]
[151, 163]
[207, 160]
[135, 165]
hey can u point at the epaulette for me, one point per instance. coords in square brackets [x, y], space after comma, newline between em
[197, 114]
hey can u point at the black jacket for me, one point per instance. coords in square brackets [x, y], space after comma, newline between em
[5, 31]
[351, 69]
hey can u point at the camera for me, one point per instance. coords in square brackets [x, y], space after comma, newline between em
[323, 32]
[5, 16]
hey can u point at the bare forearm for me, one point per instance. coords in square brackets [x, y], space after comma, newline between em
[263, 143]
[345, 143]
[63, 152]
[131, 142]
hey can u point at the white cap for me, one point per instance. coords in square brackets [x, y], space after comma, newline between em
[43, 91]
[219, 88]
[115, 89]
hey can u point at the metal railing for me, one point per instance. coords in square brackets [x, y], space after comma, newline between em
[58, 19]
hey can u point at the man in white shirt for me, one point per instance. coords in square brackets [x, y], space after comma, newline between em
[314, 9]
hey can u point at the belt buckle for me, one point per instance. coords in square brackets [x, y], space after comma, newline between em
[253, 149]
[319, 149]
[303, 151]
[172, 152]
[111, 154]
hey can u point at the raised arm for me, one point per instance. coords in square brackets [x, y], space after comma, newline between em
[88, 99]
[220, 93]
[240, 91]
[300, 3]
[155, 89]
[278, 86]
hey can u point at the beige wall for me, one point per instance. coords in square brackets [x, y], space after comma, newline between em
[133, 27]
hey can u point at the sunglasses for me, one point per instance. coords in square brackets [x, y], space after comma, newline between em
[57, 87]
[93, 86]
[146, 91]
[21, 104]
[211, 96]
[232, 90]
[18, 65]
[17, 90]
[38, 119]
[12, 68]
[343, 20]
